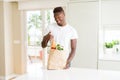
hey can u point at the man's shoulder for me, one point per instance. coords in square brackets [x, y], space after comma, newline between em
[71, 27]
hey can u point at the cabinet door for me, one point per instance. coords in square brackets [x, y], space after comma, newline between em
[84, 17]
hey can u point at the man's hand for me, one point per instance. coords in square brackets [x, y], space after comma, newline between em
[67, 66]
[46, 38]
[51, 36]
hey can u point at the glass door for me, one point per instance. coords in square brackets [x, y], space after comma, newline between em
[36, 21]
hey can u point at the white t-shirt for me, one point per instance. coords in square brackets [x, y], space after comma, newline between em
[62, 35]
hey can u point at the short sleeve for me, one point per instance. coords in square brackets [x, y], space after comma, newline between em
[74, 34]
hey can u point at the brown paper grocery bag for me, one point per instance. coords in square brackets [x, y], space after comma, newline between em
[56, 59]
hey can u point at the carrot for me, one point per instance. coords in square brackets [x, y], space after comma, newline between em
[53, 44]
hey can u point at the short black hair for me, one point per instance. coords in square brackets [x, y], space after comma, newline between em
[58, 9]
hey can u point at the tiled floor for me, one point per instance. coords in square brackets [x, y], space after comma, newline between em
[37, 73]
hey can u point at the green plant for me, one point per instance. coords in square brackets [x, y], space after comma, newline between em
[116, 42]
[112, 43]
[109, 45]
[58, 47]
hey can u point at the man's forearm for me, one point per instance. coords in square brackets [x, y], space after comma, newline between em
[71, 56]
[44, 41]
[73, 49]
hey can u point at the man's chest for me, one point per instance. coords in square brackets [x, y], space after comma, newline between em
[61, 34]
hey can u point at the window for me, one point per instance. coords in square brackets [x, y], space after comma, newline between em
[35, 22]
[34, 28]
[111, 42]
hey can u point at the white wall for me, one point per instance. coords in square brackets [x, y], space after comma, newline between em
[85, 18]
[2, 55]
[110, 11]
[110, 16]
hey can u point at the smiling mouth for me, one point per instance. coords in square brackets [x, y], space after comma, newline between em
[59, 22]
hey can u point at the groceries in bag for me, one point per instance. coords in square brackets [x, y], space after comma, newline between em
[57, 57]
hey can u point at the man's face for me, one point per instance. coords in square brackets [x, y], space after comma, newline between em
[59, 18]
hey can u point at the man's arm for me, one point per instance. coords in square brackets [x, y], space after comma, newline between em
[72, 53]
[45, 40]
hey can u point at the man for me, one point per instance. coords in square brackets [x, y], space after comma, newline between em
[63, 34]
